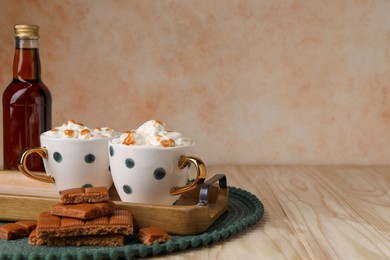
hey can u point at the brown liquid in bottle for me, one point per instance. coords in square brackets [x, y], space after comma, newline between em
[26, 106]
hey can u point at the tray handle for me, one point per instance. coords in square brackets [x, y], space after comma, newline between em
[204, 189]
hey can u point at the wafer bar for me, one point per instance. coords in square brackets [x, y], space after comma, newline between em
[150, 235]
[16, 230]
[84, 195]
[120, 222]
[93, 240]
[83, 210]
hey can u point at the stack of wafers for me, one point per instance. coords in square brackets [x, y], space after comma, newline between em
[85, 216]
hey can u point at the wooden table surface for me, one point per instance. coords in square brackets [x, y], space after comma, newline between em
[311, 212]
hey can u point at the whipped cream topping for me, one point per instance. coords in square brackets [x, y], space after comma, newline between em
[71, 129]
[154, 133]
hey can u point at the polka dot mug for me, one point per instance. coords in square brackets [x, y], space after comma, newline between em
[152, 174]
[70, 163]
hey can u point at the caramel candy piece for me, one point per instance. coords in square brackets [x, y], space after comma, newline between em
[16, 230]
[120, 222]
[94, 240]
[129, 140]
[150, 235]
[28, 225]
[11, 231]
[168, 142]
[84, 195]
[83, 210]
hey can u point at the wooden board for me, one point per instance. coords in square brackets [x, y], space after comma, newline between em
[23, 199]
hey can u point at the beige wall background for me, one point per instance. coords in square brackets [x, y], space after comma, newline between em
[252, 82]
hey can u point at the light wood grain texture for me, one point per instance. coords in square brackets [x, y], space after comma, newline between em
[322, 212]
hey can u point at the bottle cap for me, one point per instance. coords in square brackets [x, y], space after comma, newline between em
[26, 30]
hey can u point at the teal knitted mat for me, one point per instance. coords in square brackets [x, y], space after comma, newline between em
[244, 210]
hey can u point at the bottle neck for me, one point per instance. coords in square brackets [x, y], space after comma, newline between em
[27, 65]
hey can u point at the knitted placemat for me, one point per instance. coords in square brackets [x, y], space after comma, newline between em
[244, 210]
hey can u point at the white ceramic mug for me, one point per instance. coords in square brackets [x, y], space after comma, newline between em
[71, 163]
[152, 174]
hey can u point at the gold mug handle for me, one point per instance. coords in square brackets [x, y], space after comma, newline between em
[22, 165]
[200, 177]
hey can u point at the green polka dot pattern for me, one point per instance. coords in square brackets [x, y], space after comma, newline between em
[129, 163]
[89, 158]
[159, 173]
[57, 157]
[127, 189]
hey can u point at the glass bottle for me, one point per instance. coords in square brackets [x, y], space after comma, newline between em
[26, 101]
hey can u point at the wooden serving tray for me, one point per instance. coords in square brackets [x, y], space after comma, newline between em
[22, 198]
